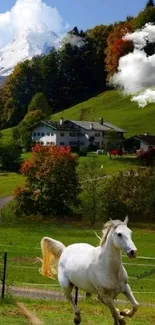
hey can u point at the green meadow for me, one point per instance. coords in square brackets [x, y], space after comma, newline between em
[115, 108]
[23, 246]
[9, 181]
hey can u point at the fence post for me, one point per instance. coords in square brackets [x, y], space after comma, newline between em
[4, 274]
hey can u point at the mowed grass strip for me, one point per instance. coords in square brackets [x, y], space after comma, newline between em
[61, 313]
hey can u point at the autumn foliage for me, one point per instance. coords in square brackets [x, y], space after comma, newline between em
[117, 46]
[51, 184]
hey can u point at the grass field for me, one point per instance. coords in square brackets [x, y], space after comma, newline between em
[23, 245]
[9, 181]
[60, 313]
[115, 108]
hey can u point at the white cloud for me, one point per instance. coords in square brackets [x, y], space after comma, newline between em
[136, 71]
[29, 14]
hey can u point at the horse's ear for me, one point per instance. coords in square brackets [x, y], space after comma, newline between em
[112, 222]
[126, 220]
[115, 223]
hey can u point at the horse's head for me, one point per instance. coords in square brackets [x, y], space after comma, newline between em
[121, 235]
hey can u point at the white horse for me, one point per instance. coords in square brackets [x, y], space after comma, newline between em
[97, 270]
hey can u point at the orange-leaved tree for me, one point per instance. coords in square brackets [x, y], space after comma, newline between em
[117, 46]
[52, 184]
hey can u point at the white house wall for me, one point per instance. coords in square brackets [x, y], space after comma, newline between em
[144, 146]
[51, 138]
[63, 137]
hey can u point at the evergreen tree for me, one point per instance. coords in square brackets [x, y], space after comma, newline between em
[150, 3]
[39, 102]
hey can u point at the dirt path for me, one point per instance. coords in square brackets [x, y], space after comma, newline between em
[4, 201]
[53, 295]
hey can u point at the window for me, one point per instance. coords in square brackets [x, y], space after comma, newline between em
[34, 134]
[97, 134]
[73, 143]
[42, 143]
[61, 143]
[62, 134]
[47, 143]
[42, 134]
[79, 134]
[50, 134]
[38, 134]
[72, 134]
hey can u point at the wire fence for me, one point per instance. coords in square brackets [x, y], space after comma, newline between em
[3, 267]
[22, 284]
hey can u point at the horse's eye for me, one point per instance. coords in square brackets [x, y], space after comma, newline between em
[119, 234]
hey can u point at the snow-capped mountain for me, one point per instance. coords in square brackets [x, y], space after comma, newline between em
[26, 44]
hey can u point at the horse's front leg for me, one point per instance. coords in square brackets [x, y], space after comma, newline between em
[128, 293]
[109, 302]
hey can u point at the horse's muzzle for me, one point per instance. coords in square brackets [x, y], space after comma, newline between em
[132, 253]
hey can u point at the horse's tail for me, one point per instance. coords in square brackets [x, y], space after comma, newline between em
[51, 252]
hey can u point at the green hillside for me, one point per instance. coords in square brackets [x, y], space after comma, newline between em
[114, 108]
[7, 135]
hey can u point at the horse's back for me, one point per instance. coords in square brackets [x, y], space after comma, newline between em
[75, 264]
[77, 254]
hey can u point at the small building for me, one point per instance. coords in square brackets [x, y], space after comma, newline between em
[73, 133]
[144, 142]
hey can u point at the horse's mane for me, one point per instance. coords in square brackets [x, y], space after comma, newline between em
[106, 229]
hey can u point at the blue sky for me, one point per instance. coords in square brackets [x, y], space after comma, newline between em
[88, 13]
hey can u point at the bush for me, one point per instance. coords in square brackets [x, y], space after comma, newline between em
[91, 206]
[52, 184]
[82, 152]
[147, 157]
[10, 155]
[132, 195]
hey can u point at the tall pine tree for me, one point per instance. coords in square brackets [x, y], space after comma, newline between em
[150, 3]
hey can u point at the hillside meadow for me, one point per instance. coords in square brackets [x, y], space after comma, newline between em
[115, 108]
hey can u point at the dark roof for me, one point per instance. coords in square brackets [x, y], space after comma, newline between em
[97, 126]
[56, 125]
[69, 125]
[148, 139]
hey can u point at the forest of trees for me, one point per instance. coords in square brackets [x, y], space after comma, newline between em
[71, 74]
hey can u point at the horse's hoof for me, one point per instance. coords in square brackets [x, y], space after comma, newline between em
[122, 321]
[127, 312]
[77, 320]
